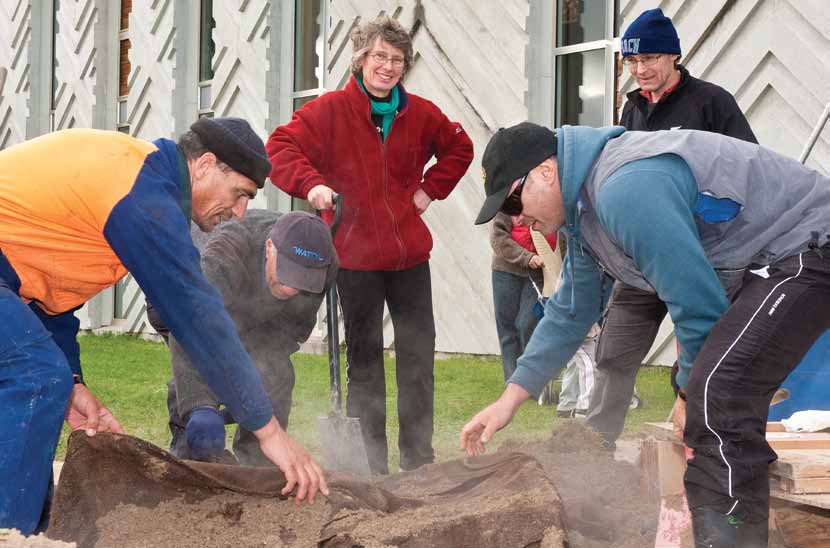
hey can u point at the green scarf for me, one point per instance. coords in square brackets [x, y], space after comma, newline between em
[386, 109]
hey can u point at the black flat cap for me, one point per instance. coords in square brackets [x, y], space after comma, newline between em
[235, 143]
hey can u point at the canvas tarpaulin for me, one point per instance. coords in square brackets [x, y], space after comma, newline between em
[503, 500]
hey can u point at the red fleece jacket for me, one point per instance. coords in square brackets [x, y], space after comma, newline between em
[332, 141]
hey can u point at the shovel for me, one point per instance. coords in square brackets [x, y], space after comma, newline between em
[340, 436]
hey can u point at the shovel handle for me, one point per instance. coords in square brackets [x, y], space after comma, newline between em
[337, 205]
[332, 324]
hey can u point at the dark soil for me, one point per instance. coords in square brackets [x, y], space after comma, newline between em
[602, 498]
[230, 519]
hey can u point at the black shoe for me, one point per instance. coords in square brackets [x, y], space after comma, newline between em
[753, 535]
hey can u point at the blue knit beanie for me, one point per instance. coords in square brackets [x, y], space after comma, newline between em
[651, 32]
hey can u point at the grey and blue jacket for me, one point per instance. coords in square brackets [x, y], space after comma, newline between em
[678, 213]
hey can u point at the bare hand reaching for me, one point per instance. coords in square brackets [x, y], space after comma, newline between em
[300, 469]
[491, 419]
[321, 197]
[536, 262]
[85, 411]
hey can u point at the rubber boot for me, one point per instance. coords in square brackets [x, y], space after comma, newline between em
[753, 535]
[713, 529]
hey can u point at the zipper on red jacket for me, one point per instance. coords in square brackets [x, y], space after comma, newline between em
[386, 193]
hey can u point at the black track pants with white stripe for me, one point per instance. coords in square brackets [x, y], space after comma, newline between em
[770, 326]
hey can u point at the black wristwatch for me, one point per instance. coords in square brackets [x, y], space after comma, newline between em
[77, 379]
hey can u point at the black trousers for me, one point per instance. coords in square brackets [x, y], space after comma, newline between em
[408, 294]
[629, 328]
[772, 323]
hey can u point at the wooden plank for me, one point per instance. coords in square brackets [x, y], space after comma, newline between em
[777, 440]
[800, 486]
[818, 500]
[801, 464]
[796, 440]
[798, 526]
[663, 431]
[663, 465]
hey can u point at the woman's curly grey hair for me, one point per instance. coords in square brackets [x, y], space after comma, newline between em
[387, 29]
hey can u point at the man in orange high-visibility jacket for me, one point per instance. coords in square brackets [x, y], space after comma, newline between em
[78, 210]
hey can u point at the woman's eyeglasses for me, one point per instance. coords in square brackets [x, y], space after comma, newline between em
[512, 205]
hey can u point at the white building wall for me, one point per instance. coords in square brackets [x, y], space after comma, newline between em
[15, 28]
[471, 60]
[241, 66]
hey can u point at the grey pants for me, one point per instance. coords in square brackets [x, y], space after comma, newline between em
[188, 390]
[632, 320]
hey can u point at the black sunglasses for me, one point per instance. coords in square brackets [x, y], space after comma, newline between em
[512, 205]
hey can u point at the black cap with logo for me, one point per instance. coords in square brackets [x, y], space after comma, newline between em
[510, 155]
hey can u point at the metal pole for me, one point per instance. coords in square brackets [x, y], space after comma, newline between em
[808, 148]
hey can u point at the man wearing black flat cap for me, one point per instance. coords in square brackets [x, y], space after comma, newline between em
[79, 209]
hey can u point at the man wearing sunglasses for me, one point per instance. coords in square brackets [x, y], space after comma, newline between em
[668, 98]
[733, 237]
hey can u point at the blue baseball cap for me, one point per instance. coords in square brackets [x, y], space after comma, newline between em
[304, 250]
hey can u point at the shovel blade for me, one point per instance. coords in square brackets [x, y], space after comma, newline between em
[342, 444]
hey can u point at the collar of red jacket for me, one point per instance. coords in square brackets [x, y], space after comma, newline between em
[360, 100]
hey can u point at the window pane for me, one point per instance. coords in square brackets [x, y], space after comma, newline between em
[298, 204]
[580, 21]
[307, 40]
[124, 66]
[580, 88]
[300, 101]
[126, 8]
[122, 111]
[205, 97]
[206, 45]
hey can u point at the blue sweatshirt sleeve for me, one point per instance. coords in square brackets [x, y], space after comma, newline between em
[646, 207]
[64, 329]
[148, 231]
[566, 322]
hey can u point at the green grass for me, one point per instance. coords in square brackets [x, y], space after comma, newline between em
[129, 375]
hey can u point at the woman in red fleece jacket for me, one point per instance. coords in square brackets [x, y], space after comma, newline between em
[369, 143]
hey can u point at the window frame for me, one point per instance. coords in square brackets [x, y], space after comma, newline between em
[322, 59]
[611, 46]
[204, 88]
[297, 204]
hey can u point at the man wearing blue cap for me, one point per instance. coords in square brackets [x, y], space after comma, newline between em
[272, 270]
[668, 98]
